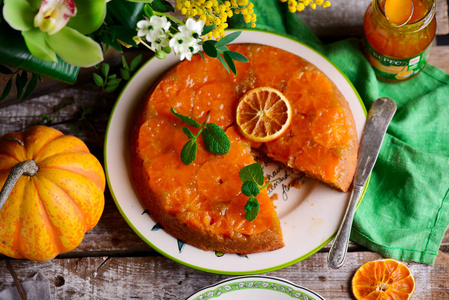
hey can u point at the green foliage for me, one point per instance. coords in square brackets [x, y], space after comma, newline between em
[253, 182]
[219, 50]
[110, 82]
[24, 85]
[214, 138]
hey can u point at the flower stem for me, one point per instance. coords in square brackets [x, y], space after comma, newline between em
[168, 16]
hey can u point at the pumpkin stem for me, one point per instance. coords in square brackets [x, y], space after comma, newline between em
[27, 167]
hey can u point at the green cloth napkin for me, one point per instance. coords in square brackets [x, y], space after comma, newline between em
[405, 211]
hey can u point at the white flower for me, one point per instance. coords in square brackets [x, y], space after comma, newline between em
[195, 26]
[53, 15]
[186, 41]
[155, 31]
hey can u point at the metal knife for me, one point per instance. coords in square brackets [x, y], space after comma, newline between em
[379, 117]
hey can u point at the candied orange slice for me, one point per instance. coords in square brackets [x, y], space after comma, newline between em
[272, 66]
[265, 219]
[383, 279]
[169, 93]
[167, 173]
[320, 161]
[218, 98]
[309, 91]
[398, 12]
[152, 141]
[263, 114]
[330, 127]
[298, 136]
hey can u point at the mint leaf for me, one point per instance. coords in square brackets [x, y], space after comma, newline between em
[188, 152]
[252, 172]
[188, 133]
[249, 188]
[251, 209]
[185, 119]
[215, 139]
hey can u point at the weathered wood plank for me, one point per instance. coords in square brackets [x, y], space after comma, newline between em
[160, 278]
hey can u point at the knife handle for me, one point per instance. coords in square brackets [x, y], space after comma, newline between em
[337, 253]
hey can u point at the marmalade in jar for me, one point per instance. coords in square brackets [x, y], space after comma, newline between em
[398, 53]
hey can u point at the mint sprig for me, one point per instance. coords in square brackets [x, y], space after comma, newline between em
[214, 138]
[253, 182]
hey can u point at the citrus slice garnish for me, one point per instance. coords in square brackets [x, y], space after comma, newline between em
[263, 114]
[398, 12]
[383, 279]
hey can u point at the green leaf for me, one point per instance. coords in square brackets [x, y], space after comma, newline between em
[249, 189]
[115, 81]
[110, 88]
[188, 152]
[148, 11]
[105, 69]
[17, 55]
[185, 119]
[125, 63]
[38, 46]
[158, 5]
[220, 58]
[19, 14]
[124, 34]
[125, 12]
[89, 16]
[7, 89]
[188, 133]
[227, 39]
[31, 86]
[238, 56]
[252, 172]
[124, 73]
[21, 81]
[135, 62]
[98, 79]
[209, 49]
[207, 29]
[162, 6]
[230, 62]
[251, 209]
[5, 70]
[75, 48]
[215, 139]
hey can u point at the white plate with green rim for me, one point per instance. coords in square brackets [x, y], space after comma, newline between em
[255, 288]
[309, 216]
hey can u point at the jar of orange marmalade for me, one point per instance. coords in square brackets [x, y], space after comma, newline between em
[398, 53]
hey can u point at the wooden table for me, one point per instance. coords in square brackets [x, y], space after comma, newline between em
[112, 262]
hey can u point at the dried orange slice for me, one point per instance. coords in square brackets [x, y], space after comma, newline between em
[263, 114]
[383, 279]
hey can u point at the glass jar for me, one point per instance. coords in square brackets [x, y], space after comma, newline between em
[398, 53]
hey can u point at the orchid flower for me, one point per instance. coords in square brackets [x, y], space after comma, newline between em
[53, 28]
[186, 41]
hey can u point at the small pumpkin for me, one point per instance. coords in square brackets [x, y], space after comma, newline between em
[58, 194]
